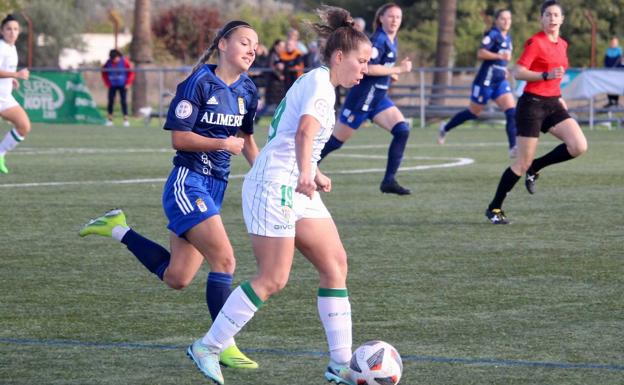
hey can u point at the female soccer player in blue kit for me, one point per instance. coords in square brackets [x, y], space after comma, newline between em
[211, 107]
[369, 99]
[491, 80]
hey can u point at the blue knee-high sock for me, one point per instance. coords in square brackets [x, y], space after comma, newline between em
[458, 119]
[149, 253]
[332, 144]
[510, 126]
[218, 289]
[400, 134]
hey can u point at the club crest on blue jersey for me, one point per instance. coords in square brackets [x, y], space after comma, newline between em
[184, 109]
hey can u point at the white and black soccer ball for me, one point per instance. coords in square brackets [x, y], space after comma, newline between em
[376, 363]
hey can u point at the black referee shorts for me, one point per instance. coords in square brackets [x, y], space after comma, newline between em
[536, 113]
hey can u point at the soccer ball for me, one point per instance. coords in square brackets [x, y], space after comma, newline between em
[376, 363]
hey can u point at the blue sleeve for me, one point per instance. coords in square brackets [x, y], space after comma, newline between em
[185, 105]
[489, 41]
[379, 50]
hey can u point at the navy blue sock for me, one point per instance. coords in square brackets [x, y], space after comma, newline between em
[149, 253]
[458, 119]
[510, 126]
[331, 145]
[218, 289]
[400, 134]
[557, 155]
[507, 182]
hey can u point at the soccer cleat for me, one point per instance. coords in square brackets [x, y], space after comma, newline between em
[126, 123]
[393, 187]
[529, 182]
[232, 357]
[3, 167]
[206, 358]
[338, 374]
[108, 123]
[104, 225]
[441, 133]
[496, 216]
[513, 152]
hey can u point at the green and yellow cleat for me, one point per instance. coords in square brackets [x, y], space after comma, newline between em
[104, 225]
[232, 357]
[3, 167]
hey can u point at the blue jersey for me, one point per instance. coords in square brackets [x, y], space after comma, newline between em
[207, 106]
[493, 71]
[364, 96]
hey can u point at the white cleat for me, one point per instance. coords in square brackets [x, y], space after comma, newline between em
[441, 133]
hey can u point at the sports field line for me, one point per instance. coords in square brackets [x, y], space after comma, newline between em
[304, 353]
[448, 162]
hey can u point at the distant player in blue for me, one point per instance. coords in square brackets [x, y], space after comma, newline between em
[491, 81]
[210, 119]
[369, 99]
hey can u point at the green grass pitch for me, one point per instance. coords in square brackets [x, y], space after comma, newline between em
[539, 301]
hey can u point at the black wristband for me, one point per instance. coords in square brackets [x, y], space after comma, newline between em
[545, 75]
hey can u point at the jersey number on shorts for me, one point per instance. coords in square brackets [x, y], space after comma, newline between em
[287, 195]
[277, 116]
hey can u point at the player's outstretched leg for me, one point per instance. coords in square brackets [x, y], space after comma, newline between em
[206, 358]
[105, 224]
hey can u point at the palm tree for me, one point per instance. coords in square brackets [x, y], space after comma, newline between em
[141, 52]
[446, 36]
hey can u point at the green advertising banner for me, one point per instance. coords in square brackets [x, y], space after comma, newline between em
[57, 97]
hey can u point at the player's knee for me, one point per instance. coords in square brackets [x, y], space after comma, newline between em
[225, 264]
[275, 285]
[23, 128]
[401, 130]
[177, 282]
[578, 148]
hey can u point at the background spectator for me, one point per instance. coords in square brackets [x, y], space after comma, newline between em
[293, 35]
[313, 58]
[359, 24]
[293, 63]
[118, 77]
[274, 78]
[612, 59]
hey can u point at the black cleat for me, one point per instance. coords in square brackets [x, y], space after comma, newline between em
[529, 182]
[393, 187]
[496, 216]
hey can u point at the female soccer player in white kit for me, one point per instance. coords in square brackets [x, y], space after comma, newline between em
[283, 209]
[9, 109]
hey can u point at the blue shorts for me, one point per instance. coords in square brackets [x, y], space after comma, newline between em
[190, 198]
[482, 94]
[355, 116]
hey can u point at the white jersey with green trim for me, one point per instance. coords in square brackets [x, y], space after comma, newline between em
[312, 94]
[8, 62]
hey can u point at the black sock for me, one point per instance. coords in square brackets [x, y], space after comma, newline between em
[557, 155]
[152, 255]
[507, 182]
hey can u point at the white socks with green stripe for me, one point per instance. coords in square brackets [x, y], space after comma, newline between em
[10, 141]
[239, 308]
[335, 312]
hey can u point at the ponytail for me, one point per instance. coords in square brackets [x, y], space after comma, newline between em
[338, 32]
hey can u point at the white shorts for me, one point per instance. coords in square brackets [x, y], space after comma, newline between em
[7, 102]
[271, 209]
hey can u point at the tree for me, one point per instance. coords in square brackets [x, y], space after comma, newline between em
[56, 24]
[141, 52]
[446, 36]
[187, 30]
